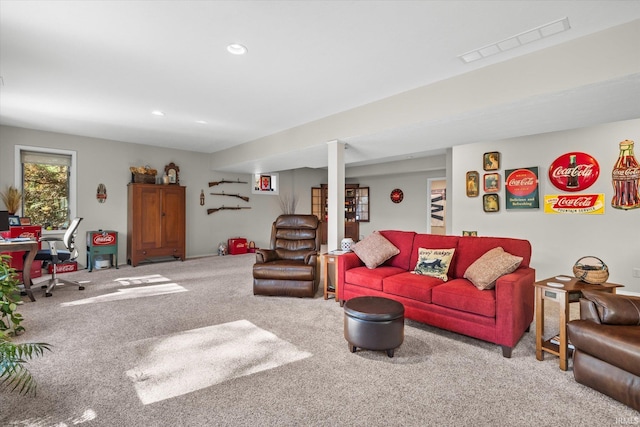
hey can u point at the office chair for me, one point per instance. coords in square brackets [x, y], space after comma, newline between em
[55, 256]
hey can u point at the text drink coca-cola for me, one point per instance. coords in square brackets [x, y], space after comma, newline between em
[625, 178]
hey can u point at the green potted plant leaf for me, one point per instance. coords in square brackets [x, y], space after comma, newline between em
[14, 357]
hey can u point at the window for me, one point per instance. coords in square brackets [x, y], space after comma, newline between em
[48, 186]
[265, 183]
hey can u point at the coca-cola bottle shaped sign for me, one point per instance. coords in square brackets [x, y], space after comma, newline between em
[574, 171]
[625, 178]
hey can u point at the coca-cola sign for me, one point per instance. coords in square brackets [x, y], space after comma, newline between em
[625, 174]
[521, 188]
[574, 203]
[625, 178]
[64, 267]
[521, 182]
[104, 239]
[574, 171]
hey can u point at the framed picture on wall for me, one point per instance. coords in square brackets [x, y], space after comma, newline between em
[265, 183]
[473, 184]
[491, 203]
[491, 182]
[491, 161]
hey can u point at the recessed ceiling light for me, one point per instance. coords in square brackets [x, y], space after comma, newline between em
[201, 122]
[157, 113]
[237, 49]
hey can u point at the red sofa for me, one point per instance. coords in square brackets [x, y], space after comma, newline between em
[500, 315]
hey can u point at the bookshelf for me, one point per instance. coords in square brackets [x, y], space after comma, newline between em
[356, 209]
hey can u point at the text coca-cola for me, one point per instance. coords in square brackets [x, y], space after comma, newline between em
[106, 239]
[578, 170]
[576, 202]
[520, 182]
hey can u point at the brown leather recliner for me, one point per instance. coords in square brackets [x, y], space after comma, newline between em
[290, 267]
[607, 345]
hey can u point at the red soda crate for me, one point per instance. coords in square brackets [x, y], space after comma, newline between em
[17, 262]
[65, 267]
[237, 245]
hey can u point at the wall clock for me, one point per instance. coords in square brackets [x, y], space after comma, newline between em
[396, 195]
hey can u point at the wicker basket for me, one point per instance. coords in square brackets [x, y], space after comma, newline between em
[593, 271]
[143, 178]
[143, 174]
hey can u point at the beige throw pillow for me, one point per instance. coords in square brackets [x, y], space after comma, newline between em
[494, 264]
[434, 262]
[374, 250]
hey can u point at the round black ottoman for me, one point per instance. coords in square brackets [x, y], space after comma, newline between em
[374, 323]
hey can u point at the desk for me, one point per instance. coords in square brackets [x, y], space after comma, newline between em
[331, 258]
[31, 248]
[571, 291]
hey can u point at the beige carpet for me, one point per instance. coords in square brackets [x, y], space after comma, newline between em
[188, 344]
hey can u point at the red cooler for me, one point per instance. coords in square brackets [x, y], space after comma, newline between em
[237, 246]
[32, 232]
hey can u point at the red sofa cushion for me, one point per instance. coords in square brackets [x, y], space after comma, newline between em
[460, 294]
[409, 285]
[370, 278]
[471, 248]
[402, 240]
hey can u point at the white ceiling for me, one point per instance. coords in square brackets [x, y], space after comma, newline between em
[98, 69]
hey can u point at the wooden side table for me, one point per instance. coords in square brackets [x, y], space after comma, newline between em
[331, 258]
[571, 291]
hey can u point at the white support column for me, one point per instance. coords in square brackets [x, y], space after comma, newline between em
[335, 178]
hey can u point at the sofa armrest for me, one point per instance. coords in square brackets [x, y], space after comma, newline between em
[515, 302]
[617, 345]
[311, 258]
[265, 255]
[346, 262]
[588, 311]
[613, 309]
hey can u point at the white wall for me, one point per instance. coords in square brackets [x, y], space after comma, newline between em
[557, 240]
[108, 162]
[411, 214]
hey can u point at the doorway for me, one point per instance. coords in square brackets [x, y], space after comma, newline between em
[437, 205]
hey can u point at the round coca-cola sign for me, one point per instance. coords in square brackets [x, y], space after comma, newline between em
[574, 171]
[521, 182]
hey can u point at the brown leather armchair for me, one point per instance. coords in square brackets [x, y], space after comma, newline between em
[290, 267]
[607, 345]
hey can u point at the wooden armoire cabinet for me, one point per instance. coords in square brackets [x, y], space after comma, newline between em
[155, 222]
[356, 209]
